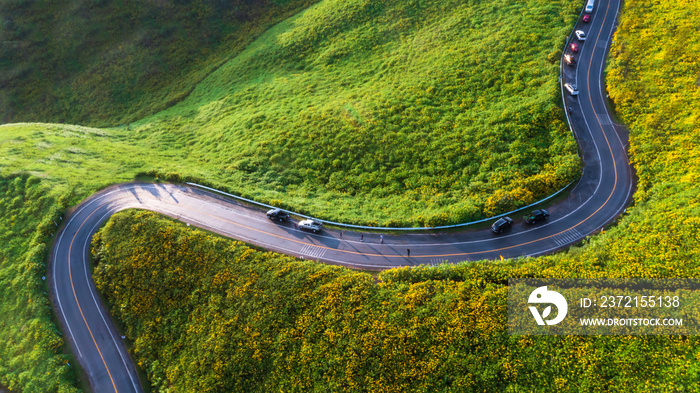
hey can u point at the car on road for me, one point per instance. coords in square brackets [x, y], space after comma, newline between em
[581, 35]
[278, 214]
[586, 18]
[311, 225]
[570, 59]
[571, 88]
[574, 47]
[537, 216]
[502, 224]
[589, 6]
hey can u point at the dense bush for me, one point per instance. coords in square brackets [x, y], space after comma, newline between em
[213, 315]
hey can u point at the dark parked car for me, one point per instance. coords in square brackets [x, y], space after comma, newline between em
[537, 216]
[502, 224]
[278, 214]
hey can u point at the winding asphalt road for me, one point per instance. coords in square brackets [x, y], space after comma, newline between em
[600, 196]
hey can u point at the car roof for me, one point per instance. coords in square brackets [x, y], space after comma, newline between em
[311, 220]
[503, 220]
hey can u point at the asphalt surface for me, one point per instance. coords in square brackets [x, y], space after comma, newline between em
[603, 192]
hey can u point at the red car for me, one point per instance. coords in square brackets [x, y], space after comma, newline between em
[574, 47]
[586, 18]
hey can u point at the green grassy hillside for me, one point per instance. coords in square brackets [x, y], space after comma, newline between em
[112, 62]
[32, 355]
[397, 112]
[654, 82]
[445, 326]
[208, 314]
[68, 163]
[393, 113]
[44, 169]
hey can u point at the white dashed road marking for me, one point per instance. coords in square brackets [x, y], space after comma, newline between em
[567, 237]
[312, 251]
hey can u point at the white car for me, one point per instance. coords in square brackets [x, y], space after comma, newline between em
[580, 35]
[571, 88]
[311, 225]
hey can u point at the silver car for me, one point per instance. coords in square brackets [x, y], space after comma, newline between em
[571, 88]
[311, 225]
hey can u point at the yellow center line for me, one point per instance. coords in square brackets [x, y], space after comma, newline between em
[70, 274]
[350, 251]
[451, 254]
[590, 99]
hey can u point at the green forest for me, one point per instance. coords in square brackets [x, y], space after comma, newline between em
[653, 80]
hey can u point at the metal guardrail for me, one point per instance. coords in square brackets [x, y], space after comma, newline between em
[340, 224]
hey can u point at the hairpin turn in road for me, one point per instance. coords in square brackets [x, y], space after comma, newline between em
[600, 196]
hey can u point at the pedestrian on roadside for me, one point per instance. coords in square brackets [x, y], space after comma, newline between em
[408, 251]
[381, 239]
[341, 235]
[362, 237]
[295, 225]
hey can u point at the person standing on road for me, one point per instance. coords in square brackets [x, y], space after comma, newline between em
[362, 237]
[341, 235]
[408, 251]
[381, 239]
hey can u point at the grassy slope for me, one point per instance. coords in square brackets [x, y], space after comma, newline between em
[239, 320]
[641, 246]
[212, 315]
[71, 162]
[74, 160]
[112, 62]
[31, 348]
[656, 91]
[66, 163]
[395, 113]
[399, 112]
